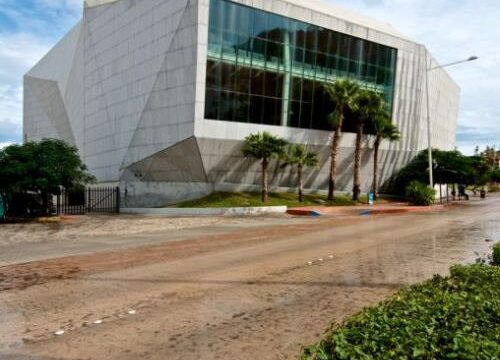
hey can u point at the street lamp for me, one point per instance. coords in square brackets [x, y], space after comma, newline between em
[428, 70]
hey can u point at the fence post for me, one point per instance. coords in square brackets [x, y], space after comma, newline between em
[87, 200]
[118, 199]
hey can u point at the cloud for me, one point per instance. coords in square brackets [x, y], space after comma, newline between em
[28, 29]
[4, 144]
[454, 30]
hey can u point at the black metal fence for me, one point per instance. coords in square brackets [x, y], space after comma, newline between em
[98, 200]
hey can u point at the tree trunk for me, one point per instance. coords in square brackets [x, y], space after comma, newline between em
[333, 161]
[300, 184]
[376, 147]
[265, 164]
[356, 189]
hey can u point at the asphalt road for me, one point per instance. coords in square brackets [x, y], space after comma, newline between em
[257, 289]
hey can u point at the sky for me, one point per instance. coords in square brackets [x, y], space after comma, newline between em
[451, 29]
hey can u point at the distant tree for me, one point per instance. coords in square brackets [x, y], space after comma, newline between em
[300, 157]
[490, 157]
[264, 146]
[343, 94]
[494, 176]
[384, 130]
[451, 167]
[41, 167]
[367, 106]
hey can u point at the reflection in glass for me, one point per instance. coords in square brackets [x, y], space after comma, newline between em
[268, 69]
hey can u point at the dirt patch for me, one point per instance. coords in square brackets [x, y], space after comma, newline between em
[71, 227]
[22, 276]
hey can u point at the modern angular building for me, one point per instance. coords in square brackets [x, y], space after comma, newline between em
[158, 95]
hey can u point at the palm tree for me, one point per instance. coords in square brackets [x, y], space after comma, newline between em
[299, 156]
[367, 105]
[384, 129]
[264, 146]
[342, 93]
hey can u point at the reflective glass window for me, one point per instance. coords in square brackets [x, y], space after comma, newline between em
[267, 69]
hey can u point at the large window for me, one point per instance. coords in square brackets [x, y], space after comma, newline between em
[268, 69]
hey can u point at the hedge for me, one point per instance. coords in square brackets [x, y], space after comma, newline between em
[455, 317]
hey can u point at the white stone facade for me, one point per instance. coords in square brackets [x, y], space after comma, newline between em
[127, 87]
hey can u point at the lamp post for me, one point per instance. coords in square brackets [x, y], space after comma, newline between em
[429, 142]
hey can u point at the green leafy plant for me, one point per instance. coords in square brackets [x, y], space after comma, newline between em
[419, 194]
[455, 317]
[368, 105]
[264, 146]
[496, 254]
[384, 130]
[40, 168]
[299, 156]
[343, 94]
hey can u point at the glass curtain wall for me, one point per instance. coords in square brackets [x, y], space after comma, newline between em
[268, 69]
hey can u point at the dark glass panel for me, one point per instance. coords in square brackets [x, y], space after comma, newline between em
[298, 56]
[309, 59]
[331, 63]
[381, 75]
[226, 106]
[258, 82]
[307, 90]
[342, 66]
[271, 111]
[296, 89]
[354, 68]
[258, 49]
[242, 80]
[244, 21]
[344, 46]
[371, 53]
[229, 16]
[241, 107]
[273, 85]
[260, 24]
[305, 115]
[315, 52]
[323, 40]
[274, 52]
[355, 49]
[229, 45]
[321, 61]
[298, 33]
[216, 15]
[323, 106]
[294, 114]
[255, 109]
[334, 43]
[212, 104]
[213, 74]
[275, 27]
[227, 76]
[311, 38]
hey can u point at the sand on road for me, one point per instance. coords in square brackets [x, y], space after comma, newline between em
[259, 289]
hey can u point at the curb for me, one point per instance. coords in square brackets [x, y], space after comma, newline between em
[299, 212]
[206, 211]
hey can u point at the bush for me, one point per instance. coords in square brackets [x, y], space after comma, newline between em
[420, 194]
[453, 317]
[496, 254]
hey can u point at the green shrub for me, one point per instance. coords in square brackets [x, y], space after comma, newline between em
[455, 317]
[496, 254]
[420, 194]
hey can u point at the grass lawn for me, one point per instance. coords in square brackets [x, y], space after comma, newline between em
[250, 199]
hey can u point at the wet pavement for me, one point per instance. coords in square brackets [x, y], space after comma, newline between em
[232, 293]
